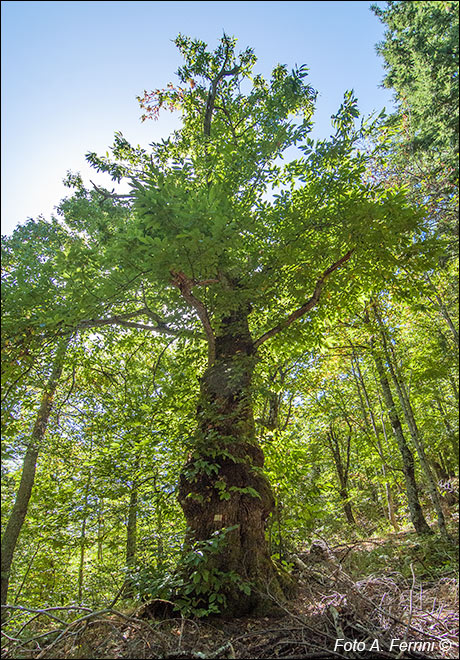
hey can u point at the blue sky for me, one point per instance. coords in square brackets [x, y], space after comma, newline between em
[71, 72]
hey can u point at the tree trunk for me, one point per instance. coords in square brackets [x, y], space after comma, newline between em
[347, 507]
[81, 566]
[342, 472]
[131, 530]
[19, 510]
[389, 495]
[100, 530]
[26, 574]
[359, 381]
[222, 485]
[131, 541]
[159, 526]
[416, 513]
[454, 386]
[451, 434]
[444, 311]
[408, 413]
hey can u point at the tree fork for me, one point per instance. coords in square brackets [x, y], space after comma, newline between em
[222, 485]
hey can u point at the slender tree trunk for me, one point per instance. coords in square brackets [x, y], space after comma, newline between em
[451, 434]
[29, 566]
[385, 435]
[454, 386]
[81, 566]
[278, 507]
[100, 529]
[159, 524]
[131, 531]
[131, 540]
[408, 412]
[444, 312]
[416, 513]
[390, 500]
[359, 381]
[443, 414]
[222, 485]
[19, 510]
[342, 473]
[131, 528]
[347, 506]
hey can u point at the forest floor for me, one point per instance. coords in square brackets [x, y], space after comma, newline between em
[389, 597]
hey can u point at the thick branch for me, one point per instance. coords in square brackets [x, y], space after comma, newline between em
[311, 302]
[122, 319]
[185, 284]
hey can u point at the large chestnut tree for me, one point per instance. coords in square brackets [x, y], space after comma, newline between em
[225, 243]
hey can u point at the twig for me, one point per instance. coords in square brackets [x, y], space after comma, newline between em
[181, 632]
[411, 595]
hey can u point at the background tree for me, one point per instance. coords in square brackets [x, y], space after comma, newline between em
[421, 56]
[420, 53]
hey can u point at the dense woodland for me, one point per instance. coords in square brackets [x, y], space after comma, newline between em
[231, 394]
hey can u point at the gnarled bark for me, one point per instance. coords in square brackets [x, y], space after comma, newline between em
[222, 485]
